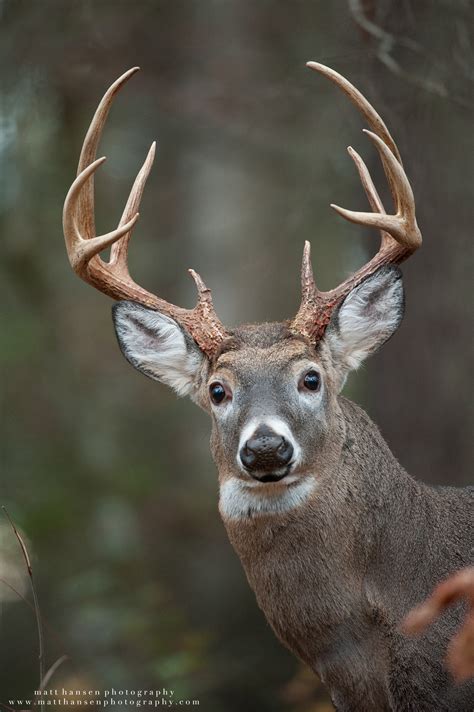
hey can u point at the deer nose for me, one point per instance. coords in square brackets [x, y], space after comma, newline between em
[266, 451]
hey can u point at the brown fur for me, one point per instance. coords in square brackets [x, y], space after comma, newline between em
[336, 571]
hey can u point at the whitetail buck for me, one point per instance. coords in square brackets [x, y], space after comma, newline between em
[338, 542]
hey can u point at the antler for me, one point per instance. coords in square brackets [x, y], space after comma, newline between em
[400, 235]
[112, 277]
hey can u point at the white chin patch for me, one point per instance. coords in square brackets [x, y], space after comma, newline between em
[240, 500]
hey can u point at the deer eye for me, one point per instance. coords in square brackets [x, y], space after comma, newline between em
[217, 392]
[311, 381]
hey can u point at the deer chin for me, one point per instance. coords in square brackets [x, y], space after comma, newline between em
[241, 499]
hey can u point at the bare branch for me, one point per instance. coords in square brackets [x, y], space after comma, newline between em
[386, 43]
[39, 624]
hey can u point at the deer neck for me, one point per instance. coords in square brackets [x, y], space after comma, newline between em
[308, 565]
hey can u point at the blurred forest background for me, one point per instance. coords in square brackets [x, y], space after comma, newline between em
[108, 474]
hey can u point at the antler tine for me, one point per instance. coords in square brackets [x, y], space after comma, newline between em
[370, 191]
[85, 207]
[366, 180]
[81, 251]
[375, 121]
[119, 252]
[403, 198]
[113, 278]
[308, 285]
[401, 226]
[400, 233]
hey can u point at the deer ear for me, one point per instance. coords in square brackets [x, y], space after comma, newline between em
[157, 346]
[367, 317]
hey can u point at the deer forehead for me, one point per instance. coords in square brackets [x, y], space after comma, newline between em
[247, 360]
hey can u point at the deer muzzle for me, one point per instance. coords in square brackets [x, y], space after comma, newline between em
[266, 455]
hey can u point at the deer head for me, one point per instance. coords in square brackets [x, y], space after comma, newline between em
[271, 389]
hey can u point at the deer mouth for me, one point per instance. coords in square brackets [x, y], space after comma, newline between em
[272, 476]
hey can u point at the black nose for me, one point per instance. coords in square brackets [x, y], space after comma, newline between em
[266, 451]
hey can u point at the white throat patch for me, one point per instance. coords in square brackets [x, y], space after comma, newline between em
[239, 499]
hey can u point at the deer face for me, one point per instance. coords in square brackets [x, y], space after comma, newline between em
[271, 393]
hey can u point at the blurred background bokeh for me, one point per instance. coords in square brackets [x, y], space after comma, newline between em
[108, 474]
